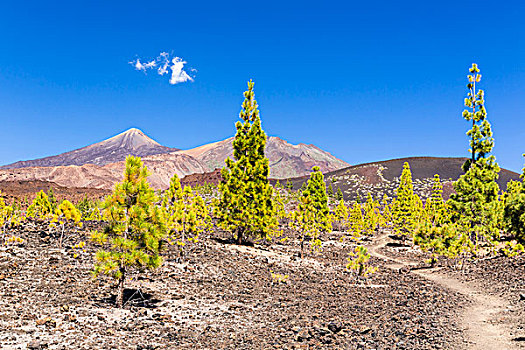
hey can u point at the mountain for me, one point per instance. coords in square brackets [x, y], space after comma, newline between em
[114, 149]
[101, 165]
[286, 160]
[382, 177]
[162, 168]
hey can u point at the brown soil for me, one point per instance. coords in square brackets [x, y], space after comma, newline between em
[221, 297]
[20, 190]
[492, 319]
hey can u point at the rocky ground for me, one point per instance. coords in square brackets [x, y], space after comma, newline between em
[221, 297]
[494, 286]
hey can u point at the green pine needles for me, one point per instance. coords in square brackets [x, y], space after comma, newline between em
[134, 235]
[245, 206]
[185, 213]
[514, 213]
[403, 215]
[312, 215]
[476, 198]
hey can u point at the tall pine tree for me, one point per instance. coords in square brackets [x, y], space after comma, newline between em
[245, 206]
[476, 198]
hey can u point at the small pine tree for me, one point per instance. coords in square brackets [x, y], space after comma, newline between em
[372, 217]
[341, 215]
[95, 215]
[52, 199]
[339, 194]
[6, 212]
[330, 191]
[186, 215]
[386, 213]
[514, 212]
[435, 206]
[85, 206]
[312, 215]
[356, 222]
[279, 204]
[358, 262]
[41, 207]
[403, 215]
[303, 187]
[289, 185]
[135, 231]
[245, 204]
[65, 213]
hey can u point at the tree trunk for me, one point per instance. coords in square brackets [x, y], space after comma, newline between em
[239, 237]
[302, 246]
[120, 291]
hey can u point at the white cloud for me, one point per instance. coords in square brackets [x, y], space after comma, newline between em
[163, 64]
[178, 75]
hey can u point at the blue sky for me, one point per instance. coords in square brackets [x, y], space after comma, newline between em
[366, 80]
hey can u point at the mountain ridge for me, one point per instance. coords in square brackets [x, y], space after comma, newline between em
[114, 149]
[100, 165]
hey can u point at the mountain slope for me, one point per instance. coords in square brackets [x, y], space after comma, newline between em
[286, 160]
[105, 177]
[382, 177]
[114, 149]
[100, 165]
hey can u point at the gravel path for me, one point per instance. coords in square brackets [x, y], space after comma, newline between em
[479, 319]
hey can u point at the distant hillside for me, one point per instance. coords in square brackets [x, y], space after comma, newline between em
[286, 160]
[114, 149]
[101, 165]
[382, 177]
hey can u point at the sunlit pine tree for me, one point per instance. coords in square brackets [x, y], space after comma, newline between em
[245, 207]
[135, 232]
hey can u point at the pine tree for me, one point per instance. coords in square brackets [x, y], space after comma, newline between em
[135, 231]
[52, 199]
[330, 191]
[245, 204]
[514, 214]
[356, 220]
[86, 206]
[386, 213]
[312, 215]
[289, 185]
[5, 215]
[186, 214]
[279, 204]
[95, 215]
[65, 213]
[476, 197]
[435, 206]
[41, 207]
[372, 217]
[358, 262]
[339, 194]
[341, 215]
[403, 216]
[303, 187]
[10, 217]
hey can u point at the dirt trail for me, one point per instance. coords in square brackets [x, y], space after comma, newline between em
[481, 329]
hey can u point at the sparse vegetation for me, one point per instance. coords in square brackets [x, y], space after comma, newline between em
[218, 278]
